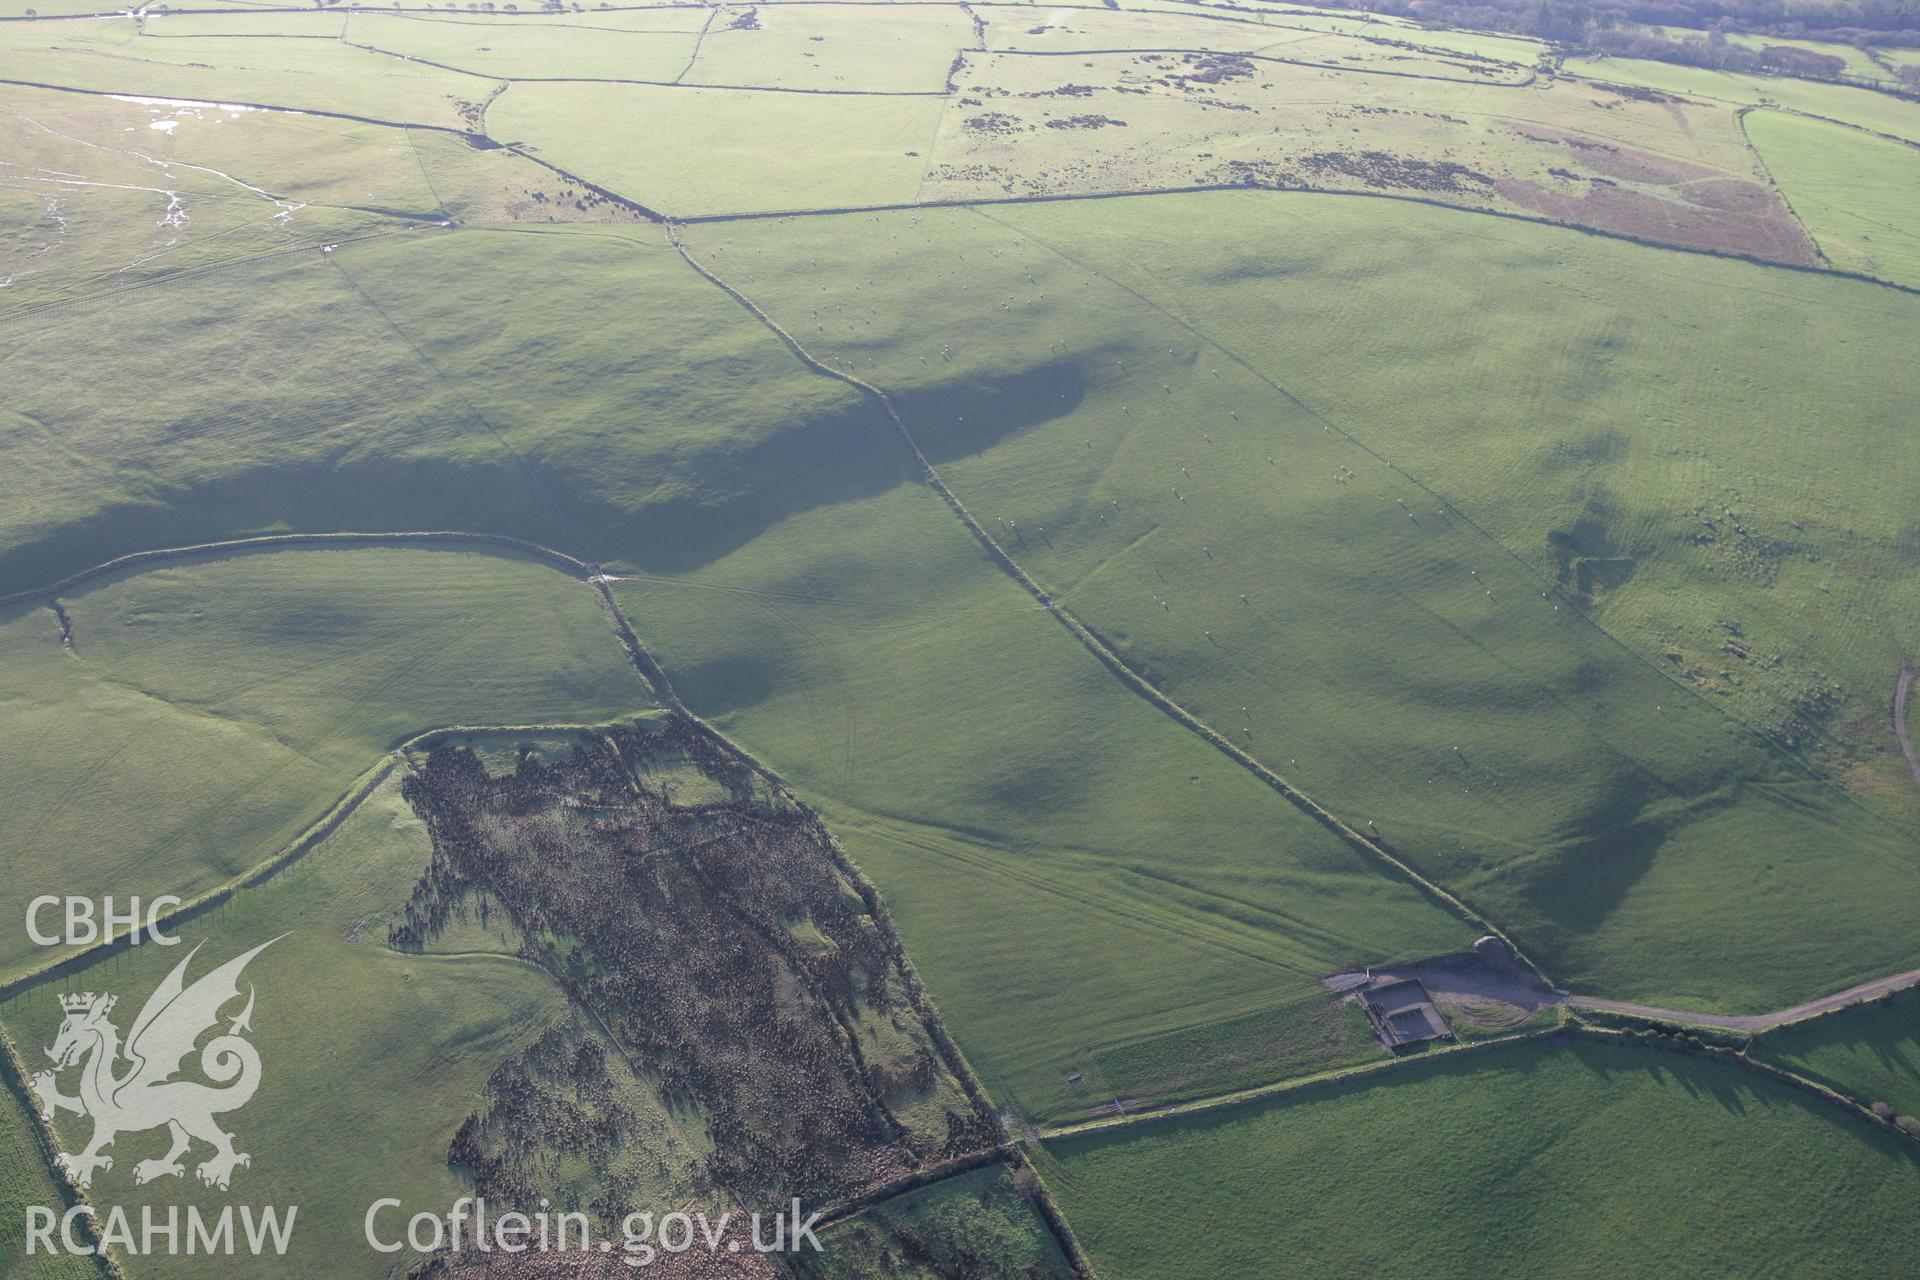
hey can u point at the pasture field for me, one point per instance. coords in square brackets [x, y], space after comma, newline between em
[479, 186]
[101, 193]
[690, 150]
[57, 8]
[1860, 63]
[362, 398]
[1081, 29]
[1128, 510]
[208, 710]
[112, 56]
[1529, 1158]
[831, 48]
[1380, 651]
[1315, 1034]
[1862, 108]
[326, 422]
[1871, 1053]
[1244, 30]
[1854, 191]
[511, 50]
[997, 783]
[1439, 128]
[727, 651]
[1545, 401]
[1444, 120]
[26, 1180]
[370, 1058]
[662, 447]
[317, 25]
[976, 1224]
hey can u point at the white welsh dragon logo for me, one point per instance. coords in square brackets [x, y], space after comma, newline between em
[146, 1096]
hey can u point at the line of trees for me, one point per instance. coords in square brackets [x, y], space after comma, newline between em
[1596, 23]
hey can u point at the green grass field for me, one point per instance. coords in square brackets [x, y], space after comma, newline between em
[1574, 571]
[209, 710]
[112, 56]
[318, 25]
[328, 422]
[1853, 191]
[1863, 108]
[1431, 126]
[103, 193]
[370, 1058]
[997, 782]
[1860, 64]
[1589, 1159]
[373, 392]
[28, 1182]
[1268, 29]
[1309, 599]
[690, 150]
[1871, 1053]
[825, 610]
[832, 48]
[977, 1224]
[1541, 400]
[514, 48]
[1315, 1034]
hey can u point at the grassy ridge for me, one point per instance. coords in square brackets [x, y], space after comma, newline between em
[716, 463]
[110, 193]
[665, 447]
[112, 56]
[322, 421]
[998, 784]
[209, 709]
[833, 618]
[498, 396]
[1306, 597]
[1559, 401]
[1527, 1159]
